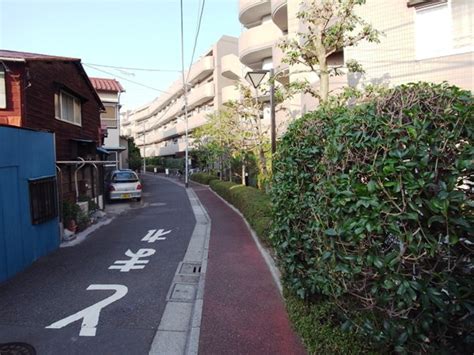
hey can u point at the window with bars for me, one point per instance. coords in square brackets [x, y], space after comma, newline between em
[43, 199]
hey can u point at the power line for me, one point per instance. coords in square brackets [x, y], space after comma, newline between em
[131, 68]
[196, 37]
[121, 77]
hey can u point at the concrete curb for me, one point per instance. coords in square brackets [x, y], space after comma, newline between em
[180, 325]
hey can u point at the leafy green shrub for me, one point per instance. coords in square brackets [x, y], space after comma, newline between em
[373, 211]
[203, 178]
[318, 324]
[253, 203]
[70, 210]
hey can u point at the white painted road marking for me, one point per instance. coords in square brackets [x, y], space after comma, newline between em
[90, 315]
[153, 235]
[134, 263]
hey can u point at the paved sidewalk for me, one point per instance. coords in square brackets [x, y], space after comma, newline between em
[243, 310]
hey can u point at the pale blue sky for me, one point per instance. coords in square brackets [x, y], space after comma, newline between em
[128, 33]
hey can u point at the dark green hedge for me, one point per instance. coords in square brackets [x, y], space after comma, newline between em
[373, 212]
[253, 203]
[202, 178]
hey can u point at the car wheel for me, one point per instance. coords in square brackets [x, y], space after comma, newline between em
[139, 199]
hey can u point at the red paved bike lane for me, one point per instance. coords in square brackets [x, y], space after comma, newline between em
[243, 310]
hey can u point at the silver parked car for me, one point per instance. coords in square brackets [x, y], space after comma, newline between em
[124, 184]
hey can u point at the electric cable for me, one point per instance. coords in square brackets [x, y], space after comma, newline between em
[196, 37]
[126, 79]
[132, 68]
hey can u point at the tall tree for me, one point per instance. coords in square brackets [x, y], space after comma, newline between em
[237, 130]
[330, 26]
[134, 156]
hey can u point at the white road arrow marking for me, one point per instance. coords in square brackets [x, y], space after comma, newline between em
[153, 235]
[90, 315]
[134, 263]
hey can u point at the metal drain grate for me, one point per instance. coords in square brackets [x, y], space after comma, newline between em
[17, 349]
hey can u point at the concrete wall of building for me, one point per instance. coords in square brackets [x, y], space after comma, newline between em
[394, 60]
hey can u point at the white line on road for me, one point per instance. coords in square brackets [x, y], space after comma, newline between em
[134, 263]
[153, 235]
[90, 315]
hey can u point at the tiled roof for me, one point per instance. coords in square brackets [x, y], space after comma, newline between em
[32, 56]
[102, 84]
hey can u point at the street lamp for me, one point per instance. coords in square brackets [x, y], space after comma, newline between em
[255, 79]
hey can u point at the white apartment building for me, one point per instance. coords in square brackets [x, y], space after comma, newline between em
[159, 127]
[424, 40]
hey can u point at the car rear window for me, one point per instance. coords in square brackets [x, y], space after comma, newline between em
[125, 177]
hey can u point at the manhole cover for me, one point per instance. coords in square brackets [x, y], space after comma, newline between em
[183, 292]
[17, 349]
[190, 269]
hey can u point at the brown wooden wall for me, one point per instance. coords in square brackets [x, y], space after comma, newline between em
[45, 79]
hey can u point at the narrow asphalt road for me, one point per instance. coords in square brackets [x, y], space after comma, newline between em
[90, 308]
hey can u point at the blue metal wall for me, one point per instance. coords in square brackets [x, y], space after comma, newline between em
[24, 155]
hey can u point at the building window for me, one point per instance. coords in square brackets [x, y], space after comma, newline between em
[3, 88]
[43, 200]
[67, 108]
[109, 117]
[443, 28]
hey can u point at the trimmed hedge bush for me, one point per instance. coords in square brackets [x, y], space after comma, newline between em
[253, 203]
[373, 211]
[318, 324]
[203, 178]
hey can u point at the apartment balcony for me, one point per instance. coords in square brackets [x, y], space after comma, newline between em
[194, 121]
[231, 68]
[256, 44]
[201, 69]
[200, 95]
[170, 149]
[279, 9]
[230, 93]
[169, 132]
[281, 69]
[251, 11]
[125, 122]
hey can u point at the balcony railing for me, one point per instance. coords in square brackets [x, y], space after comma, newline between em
[201, 69]
[231, 67]
[200, 95]
[280, 14]
[251, 11]
[256, 43]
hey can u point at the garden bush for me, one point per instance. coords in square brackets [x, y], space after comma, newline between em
[372, 209]
[203, 178]
[253, 203]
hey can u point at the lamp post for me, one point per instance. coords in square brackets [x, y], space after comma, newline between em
[255, 78]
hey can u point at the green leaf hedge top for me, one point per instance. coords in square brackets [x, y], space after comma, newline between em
[372, 208]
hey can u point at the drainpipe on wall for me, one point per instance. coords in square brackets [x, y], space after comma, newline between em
[75, 178]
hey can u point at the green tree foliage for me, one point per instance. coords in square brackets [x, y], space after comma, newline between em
[330, 26]
[373, 210]
[134, 156]
[234, 132]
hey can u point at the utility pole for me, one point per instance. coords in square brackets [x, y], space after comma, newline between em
[185, 98]
[144, 149]
[272, 112]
